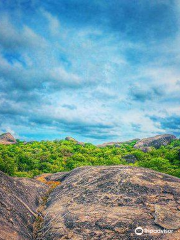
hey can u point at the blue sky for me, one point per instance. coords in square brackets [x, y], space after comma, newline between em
[94, 70]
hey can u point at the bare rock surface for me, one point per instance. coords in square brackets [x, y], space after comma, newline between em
[156, 142]
[92, 203]
[73, 140]
[60, 176]
[110, 203]
[7, 138]
[70, 139]
[130, 158]
[19, 200]
[116, 144]
[167, 218]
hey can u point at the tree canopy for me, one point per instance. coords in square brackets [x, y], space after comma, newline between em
[34, 158]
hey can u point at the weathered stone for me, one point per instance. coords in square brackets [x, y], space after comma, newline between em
[70, 139]
[110, 202]
[74, 140]
[19, 200]
[7, 138]
[167, 217]
[92, 203]
[156, 142]
[130, 158]
[117, 144]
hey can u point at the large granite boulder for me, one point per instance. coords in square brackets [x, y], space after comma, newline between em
[156, 142]
[7, 138]
[110, 203]
[19, 200]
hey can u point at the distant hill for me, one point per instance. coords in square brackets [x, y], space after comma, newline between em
[156, 142]
[28, 159]
[73, 140]
[117, 144]
[142, 144]
[7, 138]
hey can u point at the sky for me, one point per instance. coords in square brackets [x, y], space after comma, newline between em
[95, 70]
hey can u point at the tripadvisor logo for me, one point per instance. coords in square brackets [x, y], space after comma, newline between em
[140, 231]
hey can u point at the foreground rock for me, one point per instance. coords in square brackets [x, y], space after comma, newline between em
[7, 138]
[111, 202]
[19, 200]
[156, 142]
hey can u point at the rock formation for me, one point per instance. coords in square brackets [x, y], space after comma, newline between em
[117, 144]
[19, 200]
[70, 139]
[74, 140]
[110, 203]
[145, 144]
[7, 138]
[91, 203]
[156, 142]
[130, 158]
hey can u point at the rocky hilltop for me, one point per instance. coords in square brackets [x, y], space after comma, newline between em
[117, 144]
[91, 203]
[7, 138]
[144, 144]
[156, 142]
[73, 140]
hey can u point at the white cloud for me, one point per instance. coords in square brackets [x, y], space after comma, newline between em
[12, 38]
[54, 24]
[60, 75]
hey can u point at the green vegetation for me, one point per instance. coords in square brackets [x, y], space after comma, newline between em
[28, 160]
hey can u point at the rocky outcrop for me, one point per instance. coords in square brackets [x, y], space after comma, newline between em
[74, 140]
[156, 142]
[166, 219]
[145, 144]
[117, 144]
[7, 138]
[91, 203]
[110, 203]
[19, 200]
[130, 158]
[70, 139]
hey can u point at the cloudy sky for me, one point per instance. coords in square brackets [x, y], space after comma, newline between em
[96, 70]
